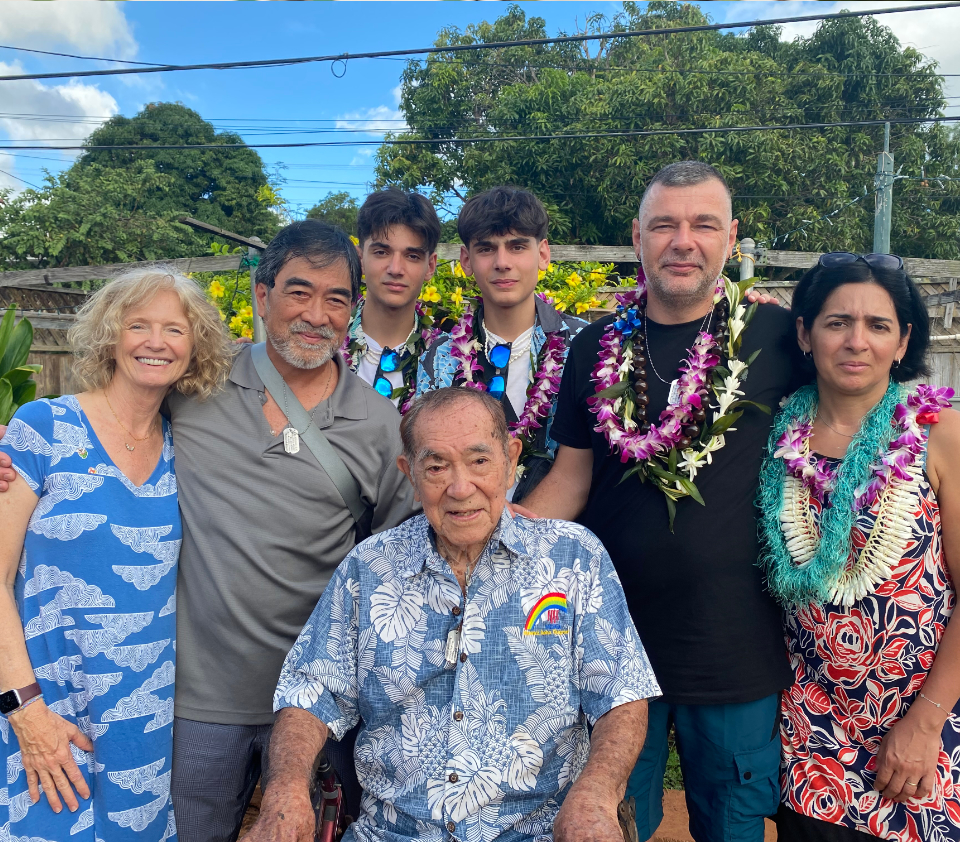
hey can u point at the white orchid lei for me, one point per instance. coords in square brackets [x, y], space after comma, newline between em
[672, 452]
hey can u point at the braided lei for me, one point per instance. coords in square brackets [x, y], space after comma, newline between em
[672, 452]
[421, 337]
[542, 391]
[882, 468]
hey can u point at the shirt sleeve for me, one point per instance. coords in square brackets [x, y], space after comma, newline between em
[28, 443]
[571, 423]
[612, 666]
[320, 671]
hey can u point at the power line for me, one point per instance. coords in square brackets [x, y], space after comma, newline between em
[83, 58]
[17, 177]
[400, 141]
[453, 48]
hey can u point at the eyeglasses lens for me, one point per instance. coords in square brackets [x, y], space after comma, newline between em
[836, 259]
[389, 360]
[383, 386]
[497, 387]
[883, 261]
[500, 356]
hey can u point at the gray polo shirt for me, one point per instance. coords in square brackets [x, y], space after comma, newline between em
[263, 531]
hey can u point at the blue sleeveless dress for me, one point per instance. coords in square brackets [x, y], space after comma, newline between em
[96, 593]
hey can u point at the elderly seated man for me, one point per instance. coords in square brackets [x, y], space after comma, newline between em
[477, 650]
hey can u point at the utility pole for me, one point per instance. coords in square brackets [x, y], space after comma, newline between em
[884, 201]
[748, 256]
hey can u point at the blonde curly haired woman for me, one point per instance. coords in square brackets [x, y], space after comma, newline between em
[88, 557]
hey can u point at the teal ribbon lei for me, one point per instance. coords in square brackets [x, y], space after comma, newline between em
[813, 582]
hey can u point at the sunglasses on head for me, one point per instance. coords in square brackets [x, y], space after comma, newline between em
[499, 357]
[389, 362]
[836, 259]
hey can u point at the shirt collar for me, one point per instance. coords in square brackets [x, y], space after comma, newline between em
[349, 399]
[508, 534]
[548, 316]
[355, 331]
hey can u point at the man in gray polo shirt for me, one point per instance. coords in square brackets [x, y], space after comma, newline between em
[264, 529]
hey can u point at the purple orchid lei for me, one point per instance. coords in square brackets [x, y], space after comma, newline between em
[922, 408]
[623, 435]
[464, 348]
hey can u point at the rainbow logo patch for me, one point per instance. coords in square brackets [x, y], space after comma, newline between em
[548, 616]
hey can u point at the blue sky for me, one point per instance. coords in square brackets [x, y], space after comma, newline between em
[292, 100]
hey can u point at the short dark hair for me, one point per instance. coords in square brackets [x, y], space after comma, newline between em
[439, 400]
[818, 283]
[320, 243]
[500, 210]
[686, 174]
[386, 208]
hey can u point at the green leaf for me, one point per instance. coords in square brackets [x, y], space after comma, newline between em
[692, 490]
[6, 402]
[24, 393]
[761, 406]
[18, 348]
[672, 461]
[656, 470]
[750, 313]
[721, 425]
[639, 469]
[753, 356]
[671, 512]
[746, 286]
[6, 328]
[614, 391]
[22, 374]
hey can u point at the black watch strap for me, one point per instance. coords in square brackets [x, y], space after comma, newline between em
[13, 699]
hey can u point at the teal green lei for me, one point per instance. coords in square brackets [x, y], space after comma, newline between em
[813, 582]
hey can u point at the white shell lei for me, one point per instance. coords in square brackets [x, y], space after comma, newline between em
[891, 532]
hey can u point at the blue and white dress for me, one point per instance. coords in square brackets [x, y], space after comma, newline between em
[96, 593]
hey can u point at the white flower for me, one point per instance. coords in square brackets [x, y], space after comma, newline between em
[693, 461]
[737, 367]
[736, 323]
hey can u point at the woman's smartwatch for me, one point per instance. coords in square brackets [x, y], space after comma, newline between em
[13, 699]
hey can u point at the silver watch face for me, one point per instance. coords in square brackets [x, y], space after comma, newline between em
[9, 701]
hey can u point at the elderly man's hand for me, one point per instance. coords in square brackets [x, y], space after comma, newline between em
[587, 815]
[286, 814]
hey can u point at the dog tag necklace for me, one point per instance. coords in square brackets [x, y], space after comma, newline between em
[673, 398]
[291, 435]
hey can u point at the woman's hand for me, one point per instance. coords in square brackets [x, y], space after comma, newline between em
[907, 759]
[45, 739]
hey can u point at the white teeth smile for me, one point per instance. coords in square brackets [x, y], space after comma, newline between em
[150, 361]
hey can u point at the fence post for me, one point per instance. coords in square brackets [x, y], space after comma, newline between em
[259, 334]
[884, 202]
[748, 251]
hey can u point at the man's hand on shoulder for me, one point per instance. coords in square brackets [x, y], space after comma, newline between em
[7, 474]
[753, 296]
[286, 814]
[587, 815]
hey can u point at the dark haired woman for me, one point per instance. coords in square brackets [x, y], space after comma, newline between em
[860, 499]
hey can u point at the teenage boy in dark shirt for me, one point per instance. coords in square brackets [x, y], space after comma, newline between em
[696, 595]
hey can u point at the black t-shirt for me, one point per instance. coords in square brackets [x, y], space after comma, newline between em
[713, 634]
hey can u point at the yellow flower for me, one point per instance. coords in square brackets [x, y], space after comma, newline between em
[247, 332]
[574, 280]
[457, 296]
[216, 289]
[223, 316]
[247, 311]
[430, 293]
[541, 274]
[582, 307]
[597, 277]
[354, 240]
[236, 324]
[594, 303]
[458, 271]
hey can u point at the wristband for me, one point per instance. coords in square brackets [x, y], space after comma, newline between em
[13, 700]
[26, 704]
[932, 702]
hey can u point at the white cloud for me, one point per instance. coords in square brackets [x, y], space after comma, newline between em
[83, 107]
[92, 28]
[374, 121]
[363, 157]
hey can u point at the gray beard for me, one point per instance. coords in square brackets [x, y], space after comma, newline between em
[681, 301]
[303, 356]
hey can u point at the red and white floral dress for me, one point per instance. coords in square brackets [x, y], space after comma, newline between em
[858, 670]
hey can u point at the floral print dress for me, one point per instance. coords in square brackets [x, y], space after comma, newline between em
[858, 670]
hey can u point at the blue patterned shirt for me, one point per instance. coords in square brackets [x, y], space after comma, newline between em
[476, 733]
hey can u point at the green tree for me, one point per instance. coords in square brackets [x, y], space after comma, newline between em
[91, 216]
[337, 209]
[219, 186]
[851, 69]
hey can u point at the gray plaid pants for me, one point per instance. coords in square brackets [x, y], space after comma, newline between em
[216, 769]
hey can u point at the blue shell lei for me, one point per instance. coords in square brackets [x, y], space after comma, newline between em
[813, 582]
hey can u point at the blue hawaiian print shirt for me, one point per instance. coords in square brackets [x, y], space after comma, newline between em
[475, 711]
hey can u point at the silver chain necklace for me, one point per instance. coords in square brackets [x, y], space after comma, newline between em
[673, 384]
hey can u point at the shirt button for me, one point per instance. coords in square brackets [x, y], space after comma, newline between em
[458, 715]
[747, 776]
[454, 777]
[451, 827]
[456, 611]
[463, 657]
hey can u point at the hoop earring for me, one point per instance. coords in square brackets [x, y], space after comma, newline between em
[896, 362]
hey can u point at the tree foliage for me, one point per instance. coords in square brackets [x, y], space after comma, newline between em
[850, 69]
[123, 205]
[337, 209]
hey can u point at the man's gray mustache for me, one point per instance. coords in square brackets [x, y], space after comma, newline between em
[324, 331]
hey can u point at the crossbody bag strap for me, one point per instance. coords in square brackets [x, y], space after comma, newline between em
[319, 446]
